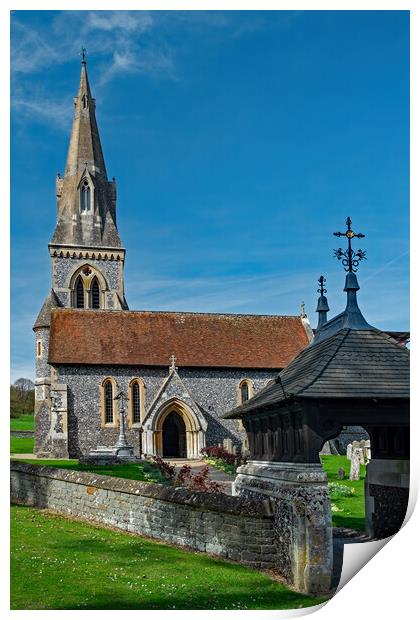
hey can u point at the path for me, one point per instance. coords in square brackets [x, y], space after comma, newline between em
[344, 536]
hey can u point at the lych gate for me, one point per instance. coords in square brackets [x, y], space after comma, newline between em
[351, 374]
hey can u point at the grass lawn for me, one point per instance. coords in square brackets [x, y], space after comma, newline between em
[61, 564]
[22, 423]
[21, 445]
[144, 471]
[220, 464]
[346, 511]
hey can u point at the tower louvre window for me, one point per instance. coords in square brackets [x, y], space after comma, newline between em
[136, 403]
[85, 196]
[80, 293]
[109, 403]
[95, 294]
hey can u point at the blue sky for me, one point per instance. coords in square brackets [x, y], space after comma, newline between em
[239, 140]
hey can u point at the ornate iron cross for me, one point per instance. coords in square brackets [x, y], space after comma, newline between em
[83, 54]
[321, 283]
[349, 258]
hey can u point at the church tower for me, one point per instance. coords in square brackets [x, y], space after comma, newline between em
[86, 252]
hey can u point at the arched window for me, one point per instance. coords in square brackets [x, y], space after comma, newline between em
[245, 391]
[135, 395]
[95, 293]
[85, 196]
[109, 403]
[80, 293]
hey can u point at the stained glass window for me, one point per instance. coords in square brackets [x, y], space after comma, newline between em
[109, 403]
[136, 403]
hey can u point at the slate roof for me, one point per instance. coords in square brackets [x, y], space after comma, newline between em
[353, 364]
[197, 339]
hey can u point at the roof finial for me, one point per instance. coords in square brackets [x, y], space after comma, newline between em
[321, 283]
[303, 314]
[172, 359]
[83, 55]
[322, 307]
[349, 258]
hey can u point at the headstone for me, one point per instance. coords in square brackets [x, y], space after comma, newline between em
[367, 451]
[356, 460]
[349, 451]
[341, 473]
[228, 446]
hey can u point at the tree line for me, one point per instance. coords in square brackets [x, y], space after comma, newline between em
[22, 398]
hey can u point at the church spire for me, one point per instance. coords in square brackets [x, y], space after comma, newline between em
[86, 199]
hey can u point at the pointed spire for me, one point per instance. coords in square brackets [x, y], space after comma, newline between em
[354, 319]
[322, 307]
[86, 219]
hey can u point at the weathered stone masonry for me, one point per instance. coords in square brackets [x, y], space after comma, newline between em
[230, 527]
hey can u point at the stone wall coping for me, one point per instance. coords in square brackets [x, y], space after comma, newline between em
[214, 502]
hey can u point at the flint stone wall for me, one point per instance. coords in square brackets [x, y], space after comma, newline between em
[230, 527]
[214, 391]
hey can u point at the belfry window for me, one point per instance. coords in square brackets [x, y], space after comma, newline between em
[95, 293]
[109, 403]
[136, 403]
[80, 293]
[85, 196]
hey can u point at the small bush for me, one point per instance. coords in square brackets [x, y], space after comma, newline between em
[196, 482]
[166, 469]
[217, 452]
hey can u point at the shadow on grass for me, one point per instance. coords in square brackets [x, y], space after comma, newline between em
[262, 597]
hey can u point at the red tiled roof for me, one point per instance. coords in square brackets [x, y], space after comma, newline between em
[150, 338]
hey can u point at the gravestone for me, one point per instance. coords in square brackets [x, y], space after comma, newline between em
[349, 451]
[341, 473]
[356, 461]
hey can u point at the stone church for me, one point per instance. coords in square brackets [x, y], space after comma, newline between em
[180, 371]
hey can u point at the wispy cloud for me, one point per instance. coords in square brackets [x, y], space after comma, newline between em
[128, 42]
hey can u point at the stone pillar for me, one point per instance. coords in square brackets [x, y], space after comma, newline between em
[386, 496]
[303, 522]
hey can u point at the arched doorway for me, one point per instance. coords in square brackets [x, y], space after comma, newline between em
[174, 436]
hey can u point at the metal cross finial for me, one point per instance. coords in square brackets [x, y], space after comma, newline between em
[349, 258]
[172, 359]
[121, 397]
[302, 310]
[83, 55]
[321, 283]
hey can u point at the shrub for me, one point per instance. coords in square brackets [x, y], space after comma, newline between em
[196, 482]
[217, 452]
[166, 469]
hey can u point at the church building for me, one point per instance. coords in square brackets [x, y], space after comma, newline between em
[180, 371]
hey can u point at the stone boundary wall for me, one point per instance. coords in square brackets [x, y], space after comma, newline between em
[231, 527]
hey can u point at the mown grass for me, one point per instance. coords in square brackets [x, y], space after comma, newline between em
[61, 564]
[347, 511]
[220, 464]
[21, 445]
[22, 423]
[144, 471]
